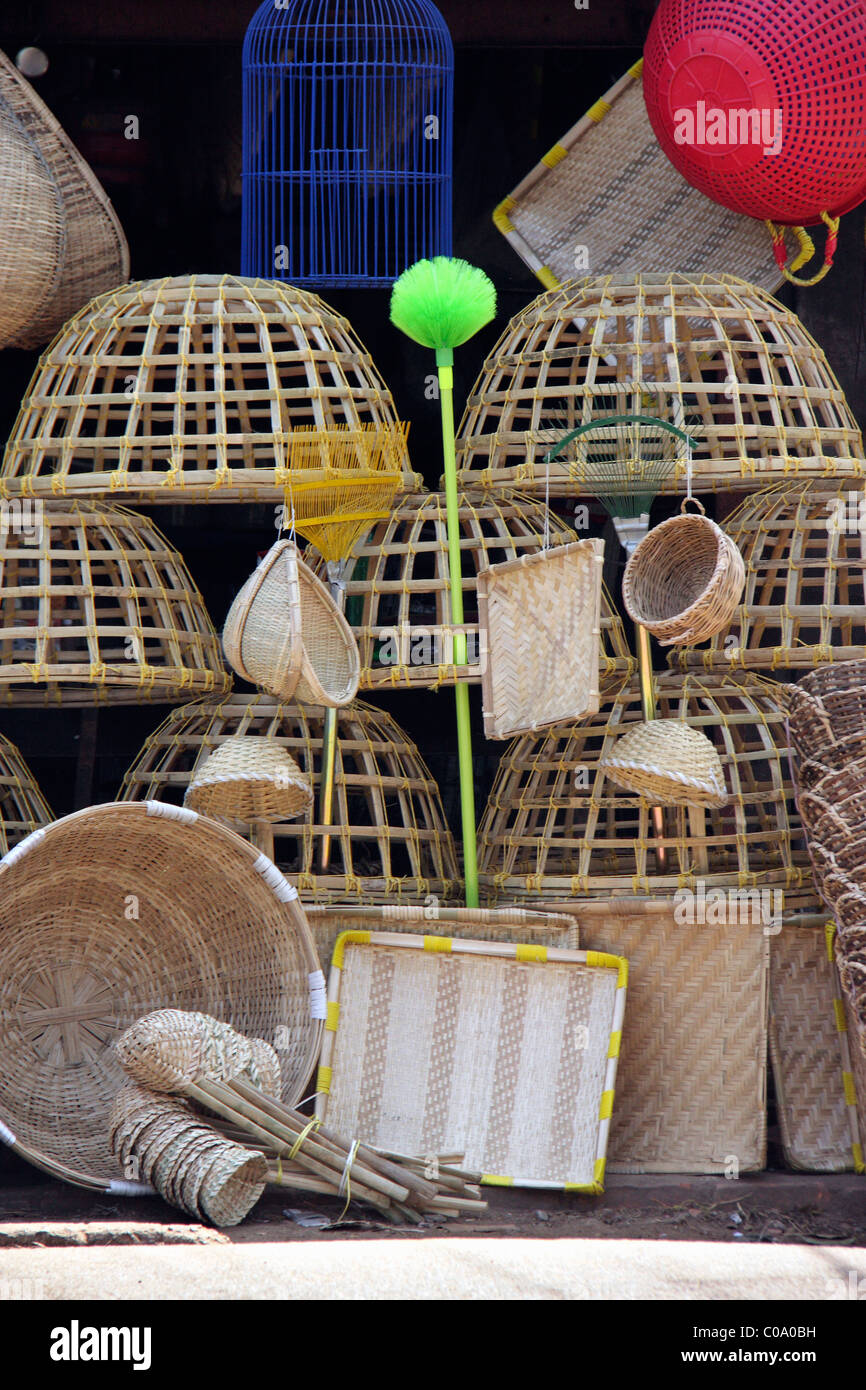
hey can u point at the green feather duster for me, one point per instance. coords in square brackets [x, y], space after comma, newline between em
[442, 303]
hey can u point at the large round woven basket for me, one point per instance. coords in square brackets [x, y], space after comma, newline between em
[390, 840]
[99, 607]
[762, 397]
[23, 808]
[556, 826]
[397, 587]
[32, 233]
[189, 389]
[684, 580]
[113, 912]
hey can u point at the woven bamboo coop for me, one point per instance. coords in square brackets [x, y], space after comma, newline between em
[23, 808]
[397, 587]
[805, 598]
[390, 840]
[732, 360]
[98, 607]
[556, 826]
[192, 389]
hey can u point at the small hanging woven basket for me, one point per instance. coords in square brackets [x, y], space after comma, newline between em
[685, 579]
[249, 779]
[285, 633]
[670, 762]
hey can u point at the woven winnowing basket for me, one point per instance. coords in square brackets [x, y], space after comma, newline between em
[742, 369]
[804, 603]
[691, 1086]
[556, 826]
[99, 607]
[190, 388]
[247, 780]
[23, 808]
[606, 198]
[118, 910]
[684, 580]
[390, 840]
[397, 587]
[95, 255]
[32, 234]
[819, 1076]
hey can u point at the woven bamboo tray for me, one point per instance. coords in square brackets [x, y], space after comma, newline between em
[539, 621]
[23, 808]
[397, 587]
[391, 842]
[32, 231]
[816, 1091]
[118, 910]
[99, 608]
[743, 370]
[556, 826]
[425, 1052]
[94, 254]
[606, 198]
[691, 1087]
[224, 373]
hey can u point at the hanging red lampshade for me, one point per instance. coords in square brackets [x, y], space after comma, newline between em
[761, 105]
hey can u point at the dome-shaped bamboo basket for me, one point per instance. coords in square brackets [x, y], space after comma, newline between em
[397, 589]
[32, 232]
[557, 826]
[684, 580]
[113, 912]
[804, 603]
[189, 389]
[98, 607]
[668, 760]
[390, 841]
[23, 808]
[738, 366]
[249, 779]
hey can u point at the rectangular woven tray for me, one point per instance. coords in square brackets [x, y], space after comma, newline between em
[504, 1053]
[606, 200]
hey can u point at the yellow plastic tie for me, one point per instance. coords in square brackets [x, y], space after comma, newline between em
[315, 1123]
[598, 110]
[555, 155]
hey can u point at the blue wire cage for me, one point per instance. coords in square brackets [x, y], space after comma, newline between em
[348, 112]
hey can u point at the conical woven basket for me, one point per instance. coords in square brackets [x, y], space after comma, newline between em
[113, 912]
[667, 761]
[285, 633]
[684, 581]
[32, 230]
[247, 780]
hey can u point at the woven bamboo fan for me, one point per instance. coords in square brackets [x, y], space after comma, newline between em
[756, 387]
[804, 603]
[557, 826]
[541, 669]
[607, 197]
[285, 633]
[93, 254]
[190, 388]
[32, 234]
[397, 587]
[23, 808]
[248, 780]
[427, 1052]
[668, 761]
[98, 607]
[391, 841]
[118, 910]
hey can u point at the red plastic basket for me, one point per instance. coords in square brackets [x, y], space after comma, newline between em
[761, 104]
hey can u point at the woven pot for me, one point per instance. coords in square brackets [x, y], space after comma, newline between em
[247, 780]
[684, 580]
[669, 762]
[285, 633]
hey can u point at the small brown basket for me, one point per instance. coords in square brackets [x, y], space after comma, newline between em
[669, 762]
[249, 779]
[685, 579]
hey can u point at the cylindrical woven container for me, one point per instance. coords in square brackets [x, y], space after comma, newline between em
[668, 761]
[249, 779]
[119, 910]
[684, 580]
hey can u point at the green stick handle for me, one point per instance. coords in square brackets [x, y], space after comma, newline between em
[445, 365]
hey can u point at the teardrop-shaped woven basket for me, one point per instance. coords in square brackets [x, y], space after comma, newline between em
[285, 633]
[249, 779]
[667, 760]
[685, 579]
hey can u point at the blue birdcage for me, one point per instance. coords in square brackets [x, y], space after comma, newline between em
[348, 110]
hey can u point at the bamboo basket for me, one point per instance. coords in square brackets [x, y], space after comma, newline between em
[667, 761]
[94, 255]
[756, 387]
[391, 842]
[285, 633]
[426, 1051]
[397, 588]
[684, 580]
[32, 232]
[805, 596]
[607, 197]
[691, 1087]
[99, 608]
[827, 714]
[192, 389]
[556, 826]
[118, 910]
[247, 780]
[23, 808]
